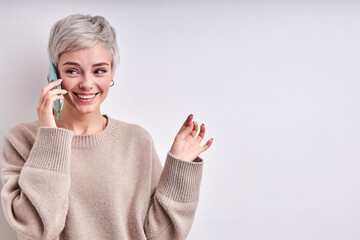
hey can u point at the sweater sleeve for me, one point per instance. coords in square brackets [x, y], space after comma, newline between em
[175, 198]
[35, 193]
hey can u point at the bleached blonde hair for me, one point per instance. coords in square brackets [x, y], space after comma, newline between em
[79, 31]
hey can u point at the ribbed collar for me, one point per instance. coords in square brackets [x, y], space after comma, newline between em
[98, 139]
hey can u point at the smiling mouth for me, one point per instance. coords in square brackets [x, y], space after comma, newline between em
[85, 96]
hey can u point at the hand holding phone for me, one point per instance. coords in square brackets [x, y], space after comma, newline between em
[51, 93]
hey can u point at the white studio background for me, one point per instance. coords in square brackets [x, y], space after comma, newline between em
[275, 82]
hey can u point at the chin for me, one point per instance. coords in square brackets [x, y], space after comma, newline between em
[87, 110]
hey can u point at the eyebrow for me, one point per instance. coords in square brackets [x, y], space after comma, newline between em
[95, 65]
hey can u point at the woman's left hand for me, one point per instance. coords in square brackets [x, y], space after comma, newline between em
[186, 145]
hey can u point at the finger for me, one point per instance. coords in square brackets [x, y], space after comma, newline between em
[51, 99]
[52, 84]
[48, 103]
[207, 144]
[53, 92]
[201, 135]
[56, 91]
[186, 126]
[47, 88]
[195, 129]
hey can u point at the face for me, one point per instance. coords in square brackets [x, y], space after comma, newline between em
[86, 75]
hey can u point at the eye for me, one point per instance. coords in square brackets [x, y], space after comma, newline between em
[71, 71]
[100, 71]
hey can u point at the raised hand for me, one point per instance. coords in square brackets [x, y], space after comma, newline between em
[44, 107]
[186, 145]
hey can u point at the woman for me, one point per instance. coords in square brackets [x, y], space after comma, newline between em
[87, 175]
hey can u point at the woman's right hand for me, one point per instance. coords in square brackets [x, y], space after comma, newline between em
[44, 107]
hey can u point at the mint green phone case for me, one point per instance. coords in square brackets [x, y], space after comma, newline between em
[57, 106]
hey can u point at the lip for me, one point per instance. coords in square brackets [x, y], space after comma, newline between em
[85, 93]
[85, 100]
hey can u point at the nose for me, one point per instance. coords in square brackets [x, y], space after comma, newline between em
[86, 82]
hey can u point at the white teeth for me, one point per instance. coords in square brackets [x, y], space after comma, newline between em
[86, 96]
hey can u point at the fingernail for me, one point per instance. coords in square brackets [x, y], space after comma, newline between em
[59, 80]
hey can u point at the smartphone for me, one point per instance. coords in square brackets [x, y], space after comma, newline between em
[52, 76]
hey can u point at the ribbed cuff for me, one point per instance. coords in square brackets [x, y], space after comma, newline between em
[51, 149]
[180, 180]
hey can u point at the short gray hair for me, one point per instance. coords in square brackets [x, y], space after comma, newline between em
[80, 31]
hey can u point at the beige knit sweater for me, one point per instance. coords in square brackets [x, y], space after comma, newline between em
[108, 185]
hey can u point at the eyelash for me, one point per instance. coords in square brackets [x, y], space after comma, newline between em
[73, 70]
[103, 70]
[70, 71]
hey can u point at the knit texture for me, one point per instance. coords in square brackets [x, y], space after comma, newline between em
[108, 185]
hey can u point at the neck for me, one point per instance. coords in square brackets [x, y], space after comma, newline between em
[81, 124]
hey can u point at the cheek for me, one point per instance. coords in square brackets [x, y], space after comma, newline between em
[104, 85]
[67, 85]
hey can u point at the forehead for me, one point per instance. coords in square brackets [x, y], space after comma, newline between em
[89, 55]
